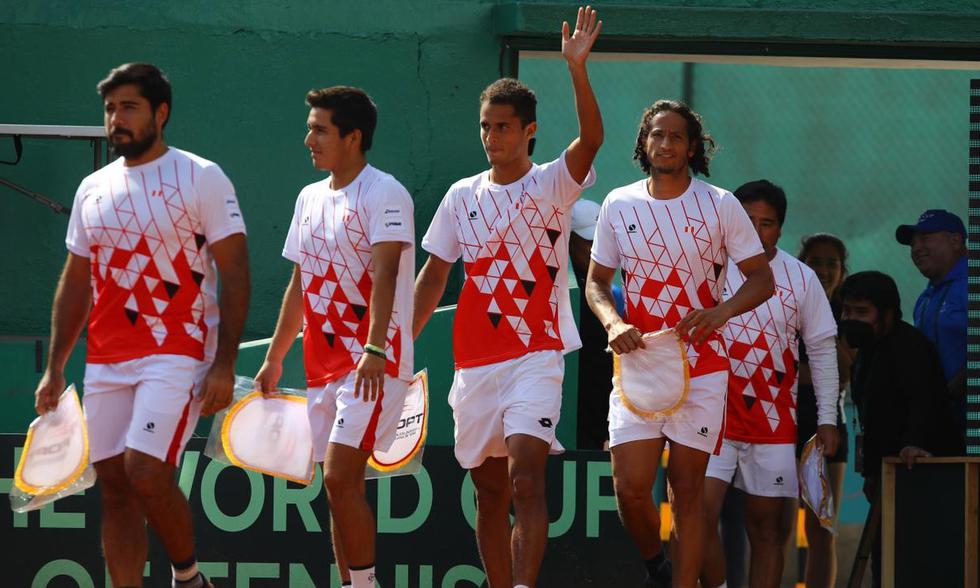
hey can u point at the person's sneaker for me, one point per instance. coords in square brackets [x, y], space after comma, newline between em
[661, 579]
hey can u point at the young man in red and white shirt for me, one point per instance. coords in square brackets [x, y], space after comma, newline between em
[148, 238]
[352, 240]
[759, 447]
[673, 235]
[510, 226]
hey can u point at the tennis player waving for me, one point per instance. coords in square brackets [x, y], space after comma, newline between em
[510, 225]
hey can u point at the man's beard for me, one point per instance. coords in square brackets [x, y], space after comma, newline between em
[132, 149]
[664, 170]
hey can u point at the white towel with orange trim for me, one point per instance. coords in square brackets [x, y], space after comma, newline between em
[55, 460]
[653, 382]
[270, 435]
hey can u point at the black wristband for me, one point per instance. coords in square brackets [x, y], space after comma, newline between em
[376, 353]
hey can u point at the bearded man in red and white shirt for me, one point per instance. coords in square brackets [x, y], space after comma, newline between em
[150, 234]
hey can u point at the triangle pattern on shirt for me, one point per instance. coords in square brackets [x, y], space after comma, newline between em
[149, 256]
[517, 258]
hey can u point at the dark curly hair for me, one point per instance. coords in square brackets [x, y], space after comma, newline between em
[704, 143]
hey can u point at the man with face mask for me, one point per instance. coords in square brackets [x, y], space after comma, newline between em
[938, 248]
[896, 381]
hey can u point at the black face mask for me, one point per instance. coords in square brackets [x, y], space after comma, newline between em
[857, 333]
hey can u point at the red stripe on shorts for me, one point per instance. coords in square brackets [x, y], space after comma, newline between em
[367, 441]
[724, 426]
[179, 433]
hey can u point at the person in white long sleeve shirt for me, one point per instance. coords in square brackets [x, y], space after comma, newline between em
[758, 451]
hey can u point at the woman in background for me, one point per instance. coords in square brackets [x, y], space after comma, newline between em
[826, 255]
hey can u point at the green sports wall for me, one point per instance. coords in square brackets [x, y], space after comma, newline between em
[240, 71]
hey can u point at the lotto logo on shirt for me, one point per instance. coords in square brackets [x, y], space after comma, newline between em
[147, 232]
[513, 240]
[331, 238]
[763, 348]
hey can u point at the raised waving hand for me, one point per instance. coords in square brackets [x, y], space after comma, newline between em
[576, 45]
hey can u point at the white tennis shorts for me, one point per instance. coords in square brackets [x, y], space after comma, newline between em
[759, 469]
[337, 417]
[150, 404]
[697, 424]
[492, 402]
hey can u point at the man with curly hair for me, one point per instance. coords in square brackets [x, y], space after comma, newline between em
[673, 236]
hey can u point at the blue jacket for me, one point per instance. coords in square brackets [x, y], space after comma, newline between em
[941, 314]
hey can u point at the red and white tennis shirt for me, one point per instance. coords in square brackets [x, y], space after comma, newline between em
[330, 239]
[763, 348]
[674, 254]
[514, 243]
[147, 230]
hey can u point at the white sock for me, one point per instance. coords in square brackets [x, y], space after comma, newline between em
[362, 578]
[522, 586]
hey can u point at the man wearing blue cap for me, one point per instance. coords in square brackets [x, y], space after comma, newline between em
[938, 243]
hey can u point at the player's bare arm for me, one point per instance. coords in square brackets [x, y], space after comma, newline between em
[429, 287]
[287, 328]
[575, 48]
[371, 368]
[623, 337]
[72, 300]
[758, 287]
[231, 258]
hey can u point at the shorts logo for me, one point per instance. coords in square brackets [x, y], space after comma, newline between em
[703, 431]
[779, 481]
[393, 224]
[472, 214]
[149, 427]
[631, 229]
[545, 422]
[340, 423]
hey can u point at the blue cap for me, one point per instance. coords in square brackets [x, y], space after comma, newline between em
[931, 221]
